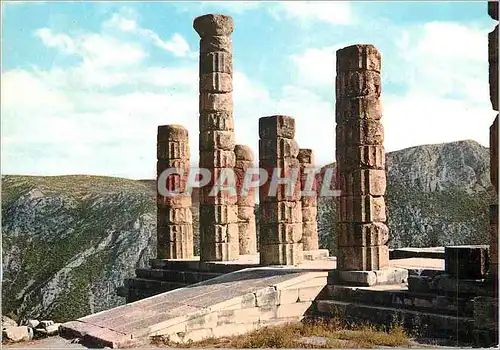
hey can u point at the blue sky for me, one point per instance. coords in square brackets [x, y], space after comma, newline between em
[84, 85]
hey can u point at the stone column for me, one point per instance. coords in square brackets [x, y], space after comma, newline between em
[309, 202]
[246, 202]
[174, 217]
[493, 80]
[362, 233]
[280, 221]
[218, 214]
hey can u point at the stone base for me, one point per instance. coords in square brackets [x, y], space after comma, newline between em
[391, 275]
[319, 254]
[467, 262]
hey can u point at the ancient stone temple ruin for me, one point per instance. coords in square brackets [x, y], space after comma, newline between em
[241, 282]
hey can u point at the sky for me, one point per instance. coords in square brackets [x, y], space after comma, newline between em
[85, 85]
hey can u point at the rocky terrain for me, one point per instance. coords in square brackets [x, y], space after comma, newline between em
[69, 241]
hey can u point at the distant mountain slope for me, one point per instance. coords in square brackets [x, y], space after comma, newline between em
[69, 241]
[436, 195]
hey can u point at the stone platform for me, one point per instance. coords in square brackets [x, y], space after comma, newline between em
[244, 300]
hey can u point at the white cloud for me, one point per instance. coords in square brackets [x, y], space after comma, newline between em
[334, 12]
[126, 21]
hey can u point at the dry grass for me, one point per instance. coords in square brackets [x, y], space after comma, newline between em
[317, 334]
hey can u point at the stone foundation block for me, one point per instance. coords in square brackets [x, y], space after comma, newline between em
[250, 315]
[310, 293]
[267, 297]
[298, 309]
[288, 296]
[234, 329]
[467, 262]
[368, 278]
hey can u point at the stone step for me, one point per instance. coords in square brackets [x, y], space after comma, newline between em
[426, 324]
[154, 286]
[402, 298]
[188, 277]
[196, 265]
[446, 285]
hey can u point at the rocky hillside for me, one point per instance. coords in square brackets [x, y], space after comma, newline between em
[69, 241]
[436, 195]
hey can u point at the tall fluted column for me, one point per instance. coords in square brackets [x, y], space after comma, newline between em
[309, 201]
[362, 234]
[280, 219]
[174, 217]
[218, 214]
[246, 201]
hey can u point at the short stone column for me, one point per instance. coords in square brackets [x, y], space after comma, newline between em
[218, 210]
[309, 201]
[362, 233]
[174, 217]
[246, 201]
[280, 209]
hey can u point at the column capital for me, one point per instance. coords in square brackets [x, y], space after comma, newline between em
[213, 25]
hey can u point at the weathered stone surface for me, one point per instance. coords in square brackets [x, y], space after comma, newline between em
[174, 216]
[310, 235]
[213, 24]
[172, 132]
[243, 152]
[219, 251]
[280, 233]
[467, 262]
[368, 107]
[219, 233]
[494, 241]
[219, 214]
[493, 67]
[16, 334]
[363, 182]
[246, 213]
[217, 158]
[358, 57]
[363, 258]
[222, 197]
[309, 214]
[216, 121]
[360, 132]
[358, 84]
[216, 82]
[217, 140]
[363, 235]
[172, 150]
[351, 158]
[278, 147]
[362, 209]
[494, 153]
[216, 43]
[306, 156]
[247, 236]
[212, 102]
[281, 254]
[276, 126]
[220, 62]
[281, 212]
[281, 192]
